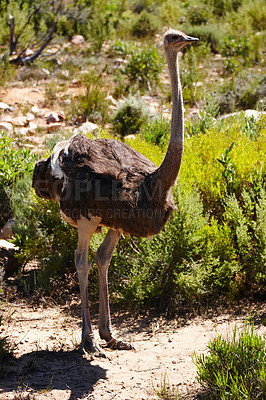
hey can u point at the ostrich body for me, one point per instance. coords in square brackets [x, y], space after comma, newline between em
[106, 183]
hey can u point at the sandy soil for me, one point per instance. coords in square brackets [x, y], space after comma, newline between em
[48, 365]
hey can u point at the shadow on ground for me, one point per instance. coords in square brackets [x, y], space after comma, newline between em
[41, 371]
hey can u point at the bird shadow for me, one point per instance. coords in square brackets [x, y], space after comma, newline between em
[42, 371]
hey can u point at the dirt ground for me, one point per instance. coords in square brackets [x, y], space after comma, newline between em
[48, 365]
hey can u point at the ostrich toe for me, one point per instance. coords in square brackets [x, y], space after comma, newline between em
[119, 345]
[91, 346]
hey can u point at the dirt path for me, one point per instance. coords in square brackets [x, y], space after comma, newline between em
[48, 366]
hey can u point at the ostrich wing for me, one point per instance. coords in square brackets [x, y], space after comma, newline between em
[104, 157]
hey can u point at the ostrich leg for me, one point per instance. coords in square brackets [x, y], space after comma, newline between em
[86, 229]
[103, 258]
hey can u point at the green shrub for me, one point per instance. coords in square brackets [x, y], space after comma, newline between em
[201, 152]
[234, 369]
[209, 34]
[247, 219]
[93, 103]
[145, 24]
[41, 233]
[189, 76]
[131, 115]
[14, 164]
[244, 91]
[102, 21]
[157, 131]
[143, 67]
[198, 14]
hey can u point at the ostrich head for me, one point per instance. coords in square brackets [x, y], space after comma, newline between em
[44, 183]
[175, 40]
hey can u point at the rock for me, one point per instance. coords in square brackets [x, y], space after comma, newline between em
[7, 232]
[130, 137]
[3, 106]
[75, 83]
[8, 260]
[46, 71]
[53, 127]
[37, 111]
[77, 40]
[87, 127]
[51, 117]
[6, 126]
[36, 90]
[30, 117]
[20, 121]
[32, 127]
[6, 118]
[61, 116]
[247, 113]
[28, 52]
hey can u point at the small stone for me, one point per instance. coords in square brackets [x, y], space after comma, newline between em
[7, 232]
[28, 52]
[87, 127]
[7, 256]
[46, 71]
[30, 117]
[51, 117]
[6, 118]
[53, 127]
[61, 116]
[35, 110]
[35, 90]
[3, 106]
[6, 126]
[20, 121]
[32, 127]
[77, 40]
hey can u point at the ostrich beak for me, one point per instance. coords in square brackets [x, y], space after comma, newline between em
[190, 39]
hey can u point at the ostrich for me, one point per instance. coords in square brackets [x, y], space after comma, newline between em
[104, 183]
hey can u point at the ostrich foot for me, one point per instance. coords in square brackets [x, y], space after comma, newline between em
[90, 346]
[119, 345]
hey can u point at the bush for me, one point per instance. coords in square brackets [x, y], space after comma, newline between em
[14, 164]
[244, 91]
[209, 34]
[41, 233]
[132, 114]
[144, 66]
[93, 103]
[157, 131]
[145, 24]
[234, 369]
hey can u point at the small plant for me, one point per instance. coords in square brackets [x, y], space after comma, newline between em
[14, 162]
[157, 131]
[145, 24]
[233, 49]
[166, 391]
[130, 116]
[144, 66]
[234, 369]
[189, 76]
[93, 103]
[229, 171]
[6, 349]
[206, 118]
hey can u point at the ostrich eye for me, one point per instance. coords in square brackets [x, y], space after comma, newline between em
[173, 38]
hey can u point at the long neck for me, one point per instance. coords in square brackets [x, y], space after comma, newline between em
[168, 170]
